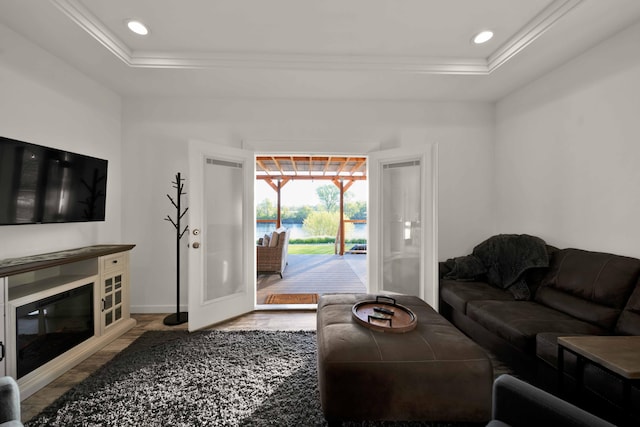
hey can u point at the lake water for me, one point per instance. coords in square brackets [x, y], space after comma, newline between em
[297, 232]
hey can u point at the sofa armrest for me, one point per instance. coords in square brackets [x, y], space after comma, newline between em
[9, 401]
[517, 403]
[443, 269]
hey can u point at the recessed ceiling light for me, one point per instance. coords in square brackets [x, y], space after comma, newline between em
[483, 37]
[137, 27]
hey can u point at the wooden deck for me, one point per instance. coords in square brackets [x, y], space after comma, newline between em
[320, 274]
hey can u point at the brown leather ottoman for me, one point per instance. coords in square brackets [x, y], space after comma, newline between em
[432, 373]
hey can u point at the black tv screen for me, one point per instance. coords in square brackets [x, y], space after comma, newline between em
[44, 185]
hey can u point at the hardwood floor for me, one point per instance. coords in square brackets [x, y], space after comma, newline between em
[264, 320]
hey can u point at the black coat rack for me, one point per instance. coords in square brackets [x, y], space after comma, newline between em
[177, 318]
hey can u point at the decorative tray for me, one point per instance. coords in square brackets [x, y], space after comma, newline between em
[384, 315]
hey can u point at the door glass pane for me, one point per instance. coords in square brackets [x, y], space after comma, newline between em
[401, 230]
[223, 199]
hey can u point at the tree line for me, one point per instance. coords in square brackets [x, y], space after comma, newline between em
[319, 220]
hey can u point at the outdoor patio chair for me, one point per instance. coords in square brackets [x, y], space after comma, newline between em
[272, 257]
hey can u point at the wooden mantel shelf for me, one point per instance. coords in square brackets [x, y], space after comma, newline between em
[11, 266]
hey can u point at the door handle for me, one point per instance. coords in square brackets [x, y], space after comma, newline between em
[195, 245]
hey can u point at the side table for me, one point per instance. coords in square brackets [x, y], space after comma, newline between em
[619, 355]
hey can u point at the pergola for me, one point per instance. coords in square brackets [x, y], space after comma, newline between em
[343, 171]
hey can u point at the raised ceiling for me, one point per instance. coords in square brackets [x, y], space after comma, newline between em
[358, 49]
[412, 36]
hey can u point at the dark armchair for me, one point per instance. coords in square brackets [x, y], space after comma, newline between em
[9, 403]
[519, 404]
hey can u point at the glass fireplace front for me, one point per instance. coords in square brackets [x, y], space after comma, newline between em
[49, 327]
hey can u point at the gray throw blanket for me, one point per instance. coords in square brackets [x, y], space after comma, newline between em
[502, 259]
[507, 256]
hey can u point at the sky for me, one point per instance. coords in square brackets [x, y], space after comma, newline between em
[300, 193]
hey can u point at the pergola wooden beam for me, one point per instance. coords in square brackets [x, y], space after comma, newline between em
[261, 165]
[348, 167]
[311, 177]
[278, 181]
[326, 166]
[275, 160]
[342, 165]
[343, 183]
[360, 163]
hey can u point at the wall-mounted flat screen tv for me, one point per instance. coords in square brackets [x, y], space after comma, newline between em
[43, 185]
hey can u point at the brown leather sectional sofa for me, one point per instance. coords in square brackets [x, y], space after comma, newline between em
[579, 293]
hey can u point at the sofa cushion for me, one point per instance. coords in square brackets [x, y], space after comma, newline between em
[273, 241]
[520, 321]
[629, 320]
[457, 294]
[591, 286]
[600, 315]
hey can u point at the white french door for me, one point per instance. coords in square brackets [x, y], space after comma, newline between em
[403, 222]
[3, 342]
[221, 241]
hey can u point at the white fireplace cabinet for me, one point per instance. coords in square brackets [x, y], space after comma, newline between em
[95, 281]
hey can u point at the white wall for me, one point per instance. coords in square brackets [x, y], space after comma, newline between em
[567, 151]
[46, 102]
[156, 132]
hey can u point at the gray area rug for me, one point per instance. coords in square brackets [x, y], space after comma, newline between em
[207, 378]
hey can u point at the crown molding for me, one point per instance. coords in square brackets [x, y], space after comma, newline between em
[402, 64]
[308, 62]
[92, 25]
[530, 32]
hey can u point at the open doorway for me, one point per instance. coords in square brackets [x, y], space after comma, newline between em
[311, 228]
[402, 227]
